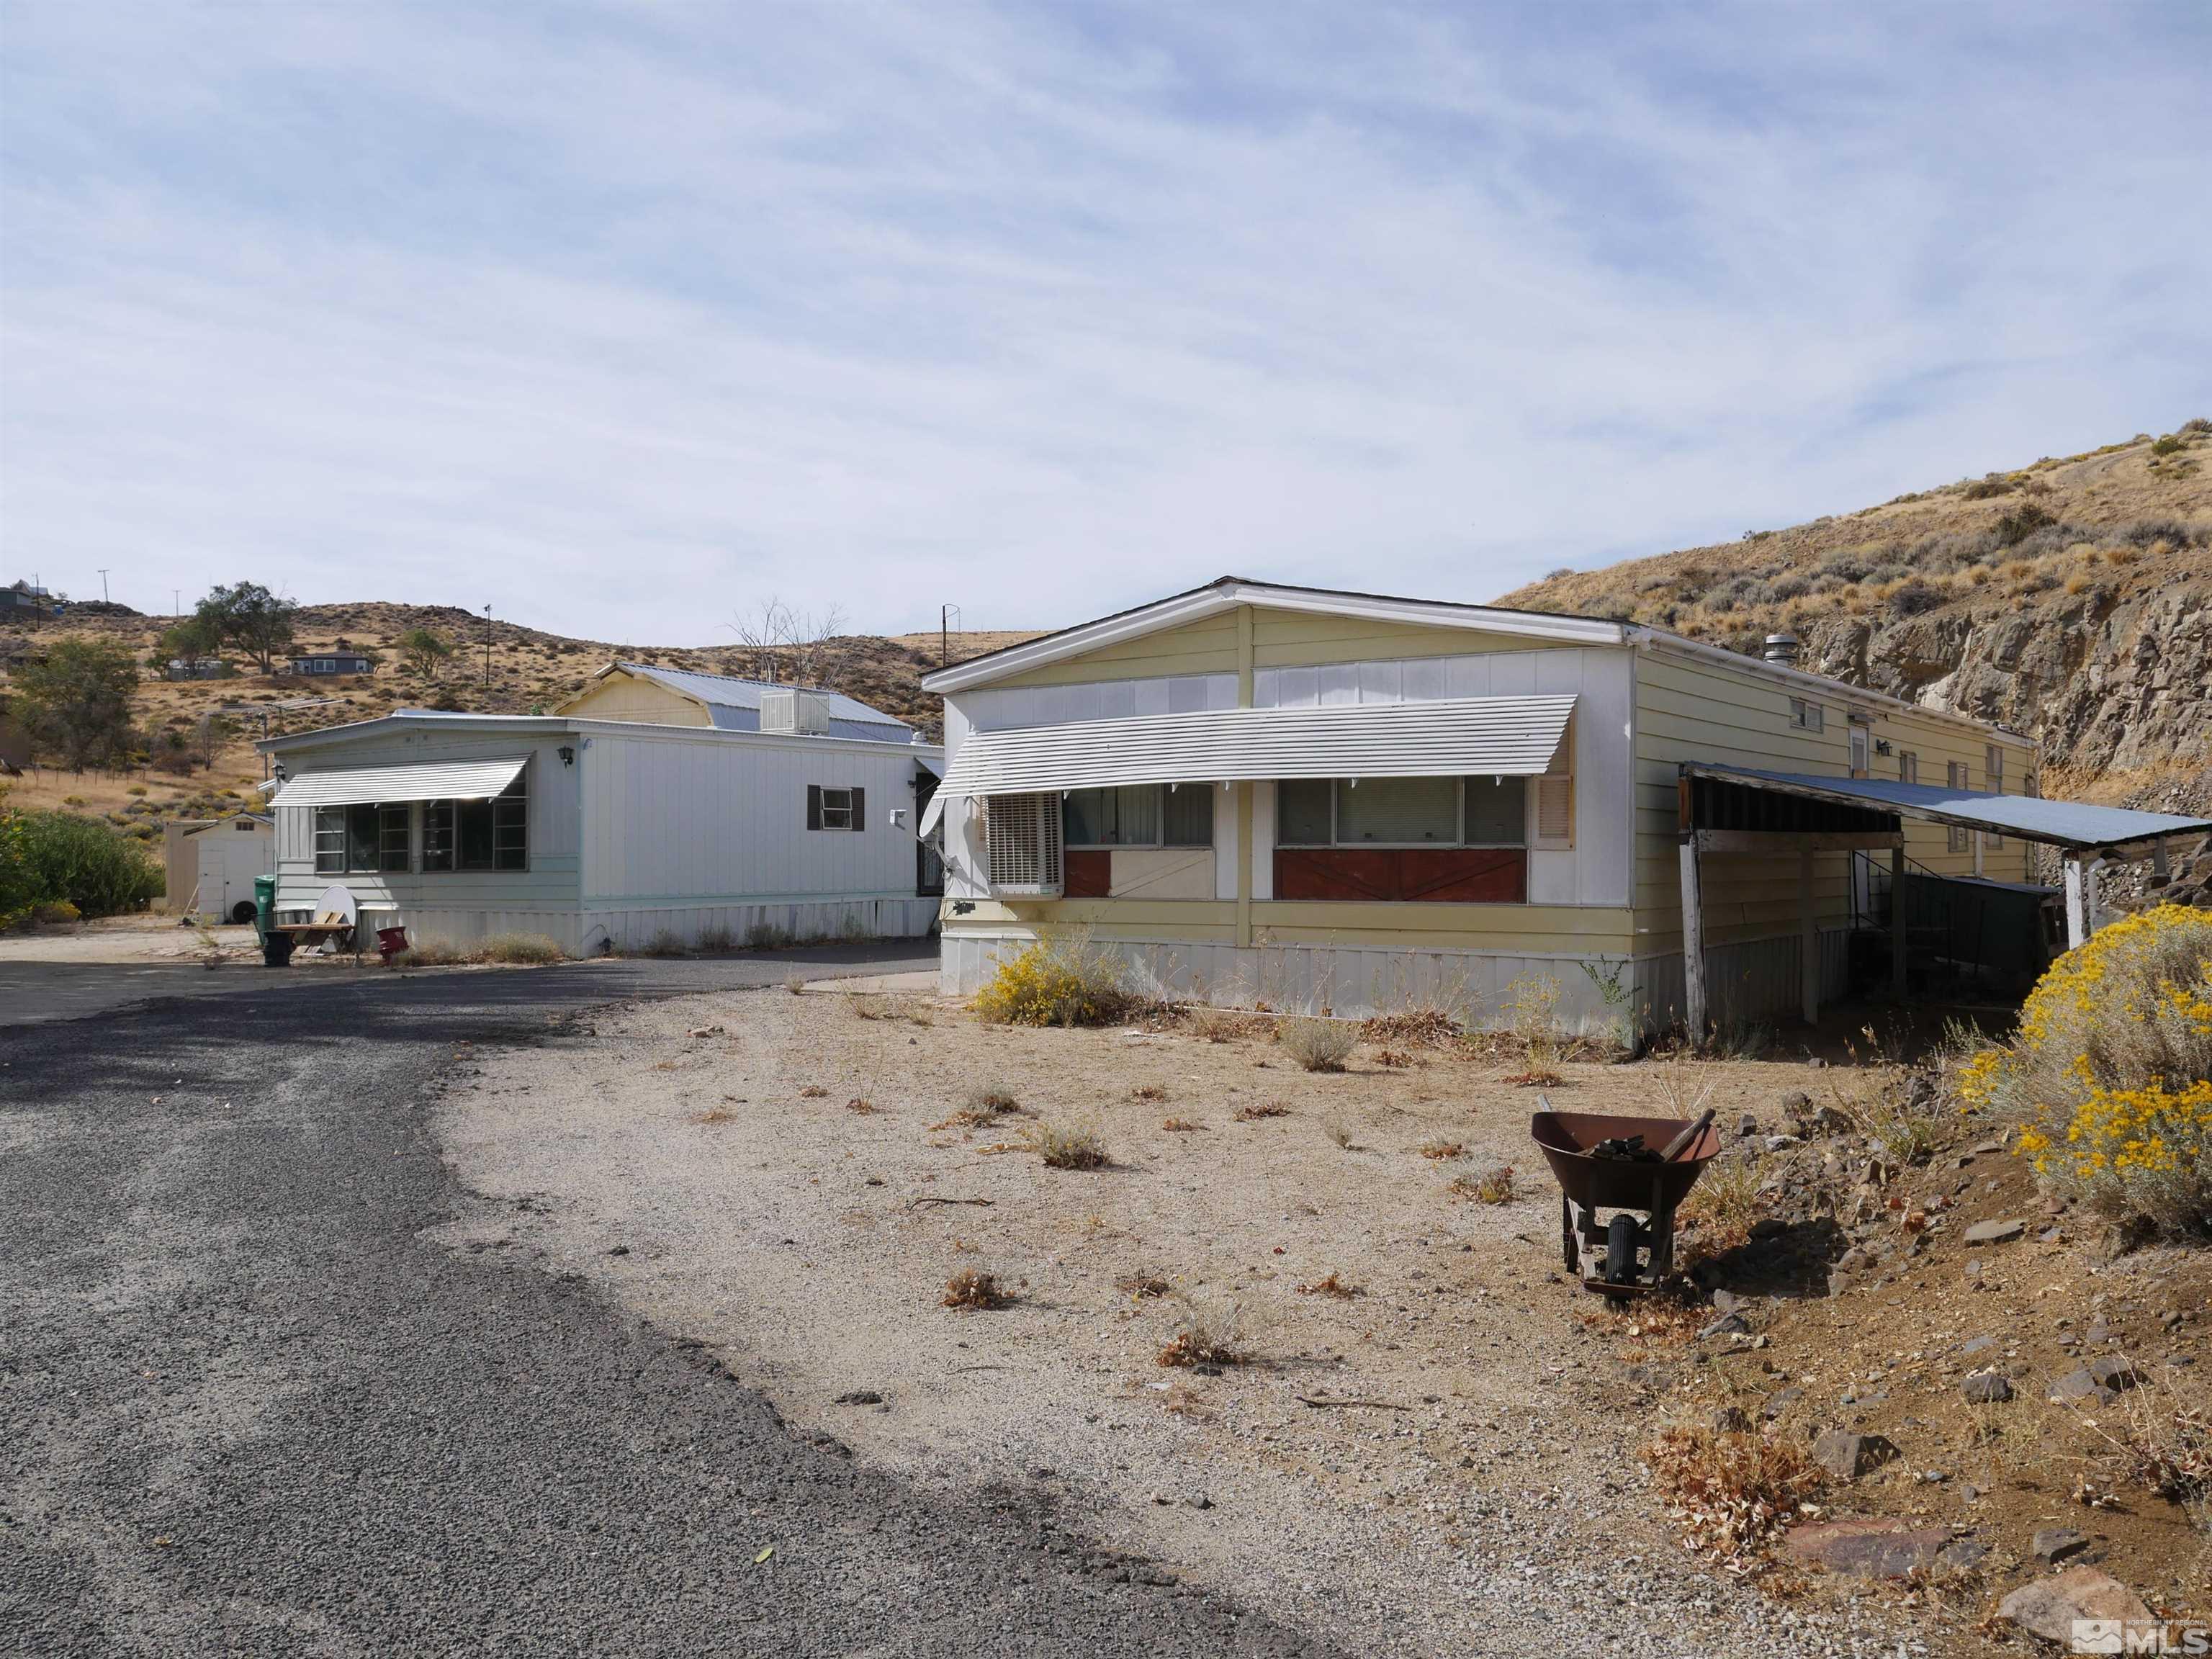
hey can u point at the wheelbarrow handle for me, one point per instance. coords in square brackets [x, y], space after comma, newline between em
[1683, 1142]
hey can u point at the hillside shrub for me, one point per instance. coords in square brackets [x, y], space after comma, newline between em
[19, 891]
[1914, 597]
[1057, 981]
[2023, 521]
[2110, 1071]
[83, 861]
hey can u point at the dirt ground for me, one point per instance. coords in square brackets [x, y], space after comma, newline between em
[129, 938]
[1441, 1460]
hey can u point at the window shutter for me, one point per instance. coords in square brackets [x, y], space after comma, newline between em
[860, 809]
[1022, 844]
[813, 807]
[1555, 802]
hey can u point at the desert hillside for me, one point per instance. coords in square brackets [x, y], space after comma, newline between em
[529, 669]
[2067, 599]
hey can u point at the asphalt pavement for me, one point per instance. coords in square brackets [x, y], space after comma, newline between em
[246, 1408]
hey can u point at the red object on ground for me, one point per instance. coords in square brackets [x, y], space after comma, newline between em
[391, 941]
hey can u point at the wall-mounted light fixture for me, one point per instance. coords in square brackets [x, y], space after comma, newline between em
[567, 754]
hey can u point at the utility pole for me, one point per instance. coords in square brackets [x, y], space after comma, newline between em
[103, 584]
[486, 648]
[944, 613]
[176, 604]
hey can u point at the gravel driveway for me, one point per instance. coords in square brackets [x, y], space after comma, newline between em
[245, 1407]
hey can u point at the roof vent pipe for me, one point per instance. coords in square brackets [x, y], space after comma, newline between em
[1782, 648]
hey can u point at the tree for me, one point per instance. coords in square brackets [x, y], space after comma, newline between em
[76, 701]
[780, 638]
[194, 636]
[424, 651]
[248, 616]
[19, 887]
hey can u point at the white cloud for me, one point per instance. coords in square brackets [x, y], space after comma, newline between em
[619, 320]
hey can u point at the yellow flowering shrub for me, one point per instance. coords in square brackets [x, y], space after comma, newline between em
[2110, 1074]
[1056, 982]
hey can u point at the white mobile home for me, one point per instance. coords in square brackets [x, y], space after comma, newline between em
[1331, 800]
[605, 834]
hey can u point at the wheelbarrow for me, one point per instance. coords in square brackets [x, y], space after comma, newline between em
[1639, 1168]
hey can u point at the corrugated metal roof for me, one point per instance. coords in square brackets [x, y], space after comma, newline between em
[721, 691]
[2055, 822]
[1443, 737]
[363, 786]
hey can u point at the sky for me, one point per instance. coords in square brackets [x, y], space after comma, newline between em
[622, 319]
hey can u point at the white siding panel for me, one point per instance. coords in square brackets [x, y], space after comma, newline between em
[1339, 683]
[1382, 682]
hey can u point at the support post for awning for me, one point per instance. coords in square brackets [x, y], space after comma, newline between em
[1693, 942]
[1809, 928]
[2081, 899]
[2158, 864]
[1897, 922]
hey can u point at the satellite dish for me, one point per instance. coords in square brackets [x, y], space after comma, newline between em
[337, 904]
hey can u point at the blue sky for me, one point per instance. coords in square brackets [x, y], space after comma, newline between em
[624, 318]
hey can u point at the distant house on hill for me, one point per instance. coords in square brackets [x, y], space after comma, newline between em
[28, 602]
[323, 664]
[196, 668]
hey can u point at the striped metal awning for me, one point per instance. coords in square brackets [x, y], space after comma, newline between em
[366, 785]
[1443, 737]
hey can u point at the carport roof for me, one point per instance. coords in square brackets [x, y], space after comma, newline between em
[2073, 824]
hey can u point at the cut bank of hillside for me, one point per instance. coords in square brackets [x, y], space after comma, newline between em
[2067, 599]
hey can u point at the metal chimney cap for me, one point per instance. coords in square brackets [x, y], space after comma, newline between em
[1780, 647]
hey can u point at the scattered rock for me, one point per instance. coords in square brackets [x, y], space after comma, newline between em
[1747, 1125]
[1729, 1324]
[1731, 1419]
[2057, 1544]
[1726, 1302]
[1833, 1121]
[1780, 1401]
[2048, 1606]
[1199, 1500]
[1974, 1344]
[1885, 1548]
[860, 1397]
[2080, 1385]
[1994, 1232]
[1796, 1104]
[1847, 1455]
[1986, 1388]
[2115, 1371]
[1963, 1554]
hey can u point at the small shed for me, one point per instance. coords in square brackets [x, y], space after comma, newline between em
[212, 863]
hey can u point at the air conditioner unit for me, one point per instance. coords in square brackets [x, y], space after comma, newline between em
[795, 713]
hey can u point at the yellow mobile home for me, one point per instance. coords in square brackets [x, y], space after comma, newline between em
[1332, 800]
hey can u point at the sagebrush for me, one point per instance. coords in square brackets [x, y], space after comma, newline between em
[2110, 1071]
[1057, 982]
[1318, 1045]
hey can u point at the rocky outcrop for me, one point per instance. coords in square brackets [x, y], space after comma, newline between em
[2109, 681]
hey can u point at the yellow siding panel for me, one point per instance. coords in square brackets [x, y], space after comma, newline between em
[621, 697]
[1205, 647]
[1301, 639]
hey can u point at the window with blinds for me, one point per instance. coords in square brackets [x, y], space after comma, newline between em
[1022, 845]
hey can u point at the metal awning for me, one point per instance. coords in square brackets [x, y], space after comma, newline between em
[2073, 824]
[1443, 737]
[365, 786]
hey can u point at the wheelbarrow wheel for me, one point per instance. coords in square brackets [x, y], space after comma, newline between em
[1620, 1250]
[1569, 1248]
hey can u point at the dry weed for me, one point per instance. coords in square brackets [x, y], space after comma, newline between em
[1180, 1125]
[1493, 1186]
[1207, 1336]
[1332, 1286]
[1441, 1150]
[1340, 1133]
[1318, 1045]
[1138, 1286]
[1148, 1092]
[1412, 1028]
[1225, 1024]
[1066, 1146]
[862, 1106]
[1731, 1494]
[971, 1287]
[813, 1091]
[1259, 1109]
[1393, 1060]
[1723, 1204]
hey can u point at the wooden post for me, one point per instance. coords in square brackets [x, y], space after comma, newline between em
[1808, 927]
[1693, 942]
[2089, 896]
[2077, 918]
[1243, 793]
[2158, 864]
[1897, 922]
[1979, 852]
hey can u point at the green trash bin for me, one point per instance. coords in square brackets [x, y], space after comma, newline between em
[276, 947]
